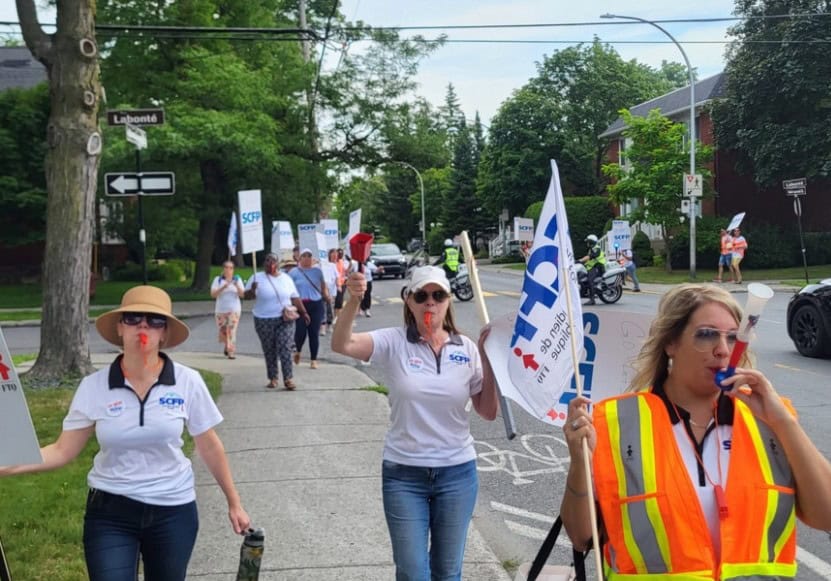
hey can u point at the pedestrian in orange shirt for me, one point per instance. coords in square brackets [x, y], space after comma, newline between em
[726, 256]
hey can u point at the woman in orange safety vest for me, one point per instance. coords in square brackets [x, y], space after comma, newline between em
[694, 482]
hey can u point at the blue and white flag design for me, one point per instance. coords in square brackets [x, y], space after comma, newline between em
[232, 235]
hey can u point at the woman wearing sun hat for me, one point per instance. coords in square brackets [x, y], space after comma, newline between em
[142, 498]
[428, 473]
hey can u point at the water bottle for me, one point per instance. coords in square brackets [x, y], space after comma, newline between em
[250, 555]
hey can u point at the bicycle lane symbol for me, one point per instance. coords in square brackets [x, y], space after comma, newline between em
[540, 457]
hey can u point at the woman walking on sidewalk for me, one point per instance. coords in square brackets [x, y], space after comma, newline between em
[273, 292]
[227, 289]
[311, 286]
[429, 465]
[142, 499]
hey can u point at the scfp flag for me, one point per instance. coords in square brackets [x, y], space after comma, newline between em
[232, 235]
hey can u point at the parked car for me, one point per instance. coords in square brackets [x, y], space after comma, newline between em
[388, 256]
[809, 319]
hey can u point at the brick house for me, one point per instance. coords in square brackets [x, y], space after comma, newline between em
[734, 192]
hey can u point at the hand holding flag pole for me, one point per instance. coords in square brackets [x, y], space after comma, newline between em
[507, 414]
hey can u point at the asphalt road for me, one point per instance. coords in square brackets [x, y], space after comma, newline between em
[522, 480]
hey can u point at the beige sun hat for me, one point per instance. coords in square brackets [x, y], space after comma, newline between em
[143, 299]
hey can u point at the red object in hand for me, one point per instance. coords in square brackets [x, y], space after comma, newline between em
[359, 247]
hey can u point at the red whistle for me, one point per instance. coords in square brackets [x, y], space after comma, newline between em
[721, 501]
[143, 339]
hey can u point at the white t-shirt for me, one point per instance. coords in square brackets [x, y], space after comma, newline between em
[141, 442]
[330, 275]
[228, 301]
[269, 305]
[428, 394]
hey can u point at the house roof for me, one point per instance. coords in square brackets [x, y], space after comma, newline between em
[19, 69]
[675, 103]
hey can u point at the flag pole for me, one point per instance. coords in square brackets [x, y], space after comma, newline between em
[507, 414]
[578, 380]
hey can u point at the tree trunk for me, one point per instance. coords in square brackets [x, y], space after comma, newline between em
[668, 251]
[74, 145]
[213, 183]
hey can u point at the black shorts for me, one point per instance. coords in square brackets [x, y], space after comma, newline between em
[339, 299]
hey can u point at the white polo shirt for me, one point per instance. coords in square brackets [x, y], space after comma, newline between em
[141, 441]
[428, 394]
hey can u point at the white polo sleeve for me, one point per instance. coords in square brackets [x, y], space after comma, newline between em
[385, 342]
[80, 413]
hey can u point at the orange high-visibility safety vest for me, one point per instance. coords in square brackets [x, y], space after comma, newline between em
[651, 512]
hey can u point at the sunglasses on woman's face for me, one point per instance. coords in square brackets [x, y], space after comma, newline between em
[154, 321]
[438, 295]
[706, 339]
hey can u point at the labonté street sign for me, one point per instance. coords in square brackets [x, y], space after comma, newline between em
[135, 117]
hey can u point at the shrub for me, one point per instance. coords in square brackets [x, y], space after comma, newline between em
[132, 272]
[769, 246]
[642, 249]
[707, 243]
[586, 215]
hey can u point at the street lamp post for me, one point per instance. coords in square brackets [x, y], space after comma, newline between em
[692, 125]
[423, 213]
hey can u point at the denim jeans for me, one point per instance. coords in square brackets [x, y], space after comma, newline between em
[434, 504]
[118, 529]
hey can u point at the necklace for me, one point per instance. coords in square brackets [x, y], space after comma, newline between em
[721, 498]
[696, 424]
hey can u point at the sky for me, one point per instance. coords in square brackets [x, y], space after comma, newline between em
[485, 74]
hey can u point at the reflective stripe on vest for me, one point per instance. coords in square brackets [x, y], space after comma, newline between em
[451, 258]
[655, 525]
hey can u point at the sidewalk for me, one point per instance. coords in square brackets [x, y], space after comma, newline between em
[308, 467]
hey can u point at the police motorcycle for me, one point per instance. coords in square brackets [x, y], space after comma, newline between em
[459, 285]
[608, 287]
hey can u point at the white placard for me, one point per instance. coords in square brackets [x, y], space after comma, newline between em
[523, 229]
[18, 440]
[282, 239]
[354, 224]
[620, 237]
[611, 342]
[329, 229]
[736, 221]
[307, 238]
[251, 221]
[320, 241]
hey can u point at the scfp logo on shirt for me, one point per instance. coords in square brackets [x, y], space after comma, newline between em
[172, 400]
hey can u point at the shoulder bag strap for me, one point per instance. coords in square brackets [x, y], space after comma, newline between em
[314, 286]
[276, 294]
[545, 551]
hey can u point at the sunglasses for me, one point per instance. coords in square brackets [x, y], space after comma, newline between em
[706, 339]
[438, 295]
[154, 321]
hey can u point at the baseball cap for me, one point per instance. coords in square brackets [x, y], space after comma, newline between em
[424, 275]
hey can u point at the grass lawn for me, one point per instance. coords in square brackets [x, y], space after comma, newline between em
[28, 296]
[42, 515]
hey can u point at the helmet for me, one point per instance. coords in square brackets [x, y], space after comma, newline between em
[448, 242]
[591, 238]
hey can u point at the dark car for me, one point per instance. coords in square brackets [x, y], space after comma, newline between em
[809, 319]
[388, 256]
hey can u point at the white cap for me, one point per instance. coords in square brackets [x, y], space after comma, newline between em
[306, 251]
[424, 275]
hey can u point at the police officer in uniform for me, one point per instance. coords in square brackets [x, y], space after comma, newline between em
[595, 262]
[449, 259]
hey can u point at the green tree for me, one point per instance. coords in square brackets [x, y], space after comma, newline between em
[70, 56]
[461, 206]
[777, 111]
[575, 95]
[653, 172]
[24, 114]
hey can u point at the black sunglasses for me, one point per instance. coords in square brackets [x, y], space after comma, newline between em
[154, 321]
[438, 295]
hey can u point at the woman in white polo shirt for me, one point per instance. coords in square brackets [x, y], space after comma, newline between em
[429, 466]
[227, 289]
[142, 499]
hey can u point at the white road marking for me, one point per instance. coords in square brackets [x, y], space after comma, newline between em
[809, 560]
[814, 563]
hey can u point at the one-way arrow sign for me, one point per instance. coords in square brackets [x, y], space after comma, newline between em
[145, 183]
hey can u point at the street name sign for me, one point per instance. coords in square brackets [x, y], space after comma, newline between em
[797, 187]
[135, 117]
[136, 135]
[693, 185]
[18, 440]
[160, 183]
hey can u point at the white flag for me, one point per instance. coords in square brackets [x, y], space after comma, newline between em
[540, 365]
[232, 234]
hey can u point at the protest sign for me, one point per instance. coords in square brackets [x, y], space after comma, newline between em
[18, 440]
[251, 221]
[523, 229]
[354, 224]
[282, 239]
[736, 221]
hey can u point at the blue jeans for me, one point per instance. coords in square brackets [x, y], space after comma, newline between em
[429, 503]
[117, 530]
